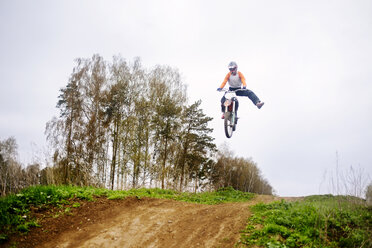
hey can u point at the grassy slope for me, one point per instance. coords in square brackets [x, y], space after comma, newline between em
[15, 209]
[317, 221]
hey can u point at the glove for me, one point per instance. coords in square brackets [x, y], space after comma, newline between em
[219, 89]
[244, 88]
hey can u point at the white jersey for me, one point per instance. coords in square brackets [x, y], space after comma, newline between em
[235, 81]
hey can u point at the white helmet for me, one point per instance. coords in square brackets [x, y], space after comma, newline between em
[232, 66]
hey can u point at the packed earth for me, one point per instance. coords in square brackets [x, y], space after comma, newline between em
[139, 222]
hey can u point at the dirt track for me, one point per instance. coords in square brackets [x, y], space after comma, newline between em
[144, 223]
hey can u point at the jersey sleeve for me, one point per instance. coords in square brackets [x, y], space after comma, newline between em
[242, 78]
[225, 80]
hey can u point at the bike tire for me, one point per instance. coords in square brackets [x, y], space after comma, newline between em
[228, 125]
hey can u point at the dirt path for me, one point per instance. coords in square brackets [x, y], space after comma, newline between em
[144, 223]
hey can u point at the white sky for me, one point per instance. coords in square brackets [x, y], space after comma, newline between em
[309, 61]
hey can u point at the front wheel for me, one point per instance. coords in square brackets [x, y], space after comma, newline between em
[229, 123]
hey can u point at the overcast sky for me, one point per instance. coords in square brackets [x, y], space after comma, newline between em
[309, 61]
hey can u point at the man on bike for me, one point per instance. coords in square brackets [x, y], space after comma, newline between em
[236, 80]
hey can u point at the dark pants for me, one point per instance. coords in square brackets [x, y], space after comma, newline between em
[248, 93]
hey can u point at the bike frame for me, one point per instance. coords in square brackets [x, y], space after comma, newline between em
[230, 114]
[230, 102]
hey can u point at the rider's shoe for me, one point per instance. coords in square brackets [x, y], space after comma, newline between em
[260, 104]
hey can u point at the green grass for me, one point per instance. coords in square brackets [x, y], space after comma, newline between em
[221, 196]
[317, 221]
[15, 209]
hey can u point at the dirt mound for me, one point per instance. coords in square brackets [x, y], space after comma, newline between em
[142, 223]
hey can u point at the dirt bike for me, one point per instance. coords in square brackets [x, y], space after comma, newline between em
[230, 117]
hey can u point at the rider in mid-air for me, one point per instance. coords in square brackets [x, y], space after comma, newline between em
[236, 80]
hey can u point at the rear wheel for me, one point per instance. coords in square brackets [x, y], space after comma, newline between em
[229, 124]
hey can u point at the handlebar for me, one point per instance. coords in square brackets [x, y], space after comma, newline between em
[228, 90]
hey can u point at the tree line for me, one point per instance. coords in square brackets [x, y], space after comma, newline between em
[122, 126]
[13, 176]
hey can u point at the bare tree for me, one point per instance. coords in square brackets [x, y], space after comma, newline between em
[10, 169]
[94, 83]
[369, 195]
[12, 176]
[240, 173]
[32, 174]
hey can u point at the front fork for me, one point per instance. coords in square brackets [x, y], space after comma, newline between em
[233, 114]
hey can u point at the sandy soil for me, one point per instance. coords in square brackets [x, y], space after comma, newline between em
[141, 223]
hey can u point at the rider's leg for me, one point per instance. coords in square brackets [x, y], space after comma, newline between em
[251, 95]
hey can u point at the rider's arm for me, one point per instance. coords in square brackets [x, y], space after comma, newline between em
[242, 78]
[225, 80]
